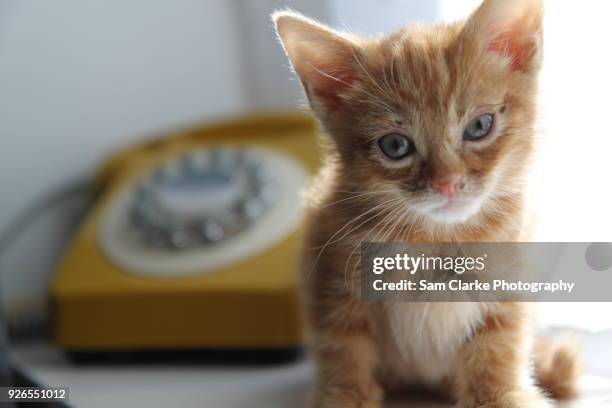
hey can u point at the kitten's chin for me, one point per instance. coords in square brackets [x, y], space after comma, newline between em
[454, 212]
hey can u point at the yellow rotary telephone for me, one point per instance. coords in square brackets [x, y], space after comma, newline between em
[192, 243]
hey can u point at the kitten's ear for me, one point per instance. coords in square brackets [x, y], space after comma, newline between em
[512, 28]
[322, 57]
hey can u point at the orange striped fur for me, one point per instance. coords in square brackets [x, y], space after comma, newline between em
[426, 82]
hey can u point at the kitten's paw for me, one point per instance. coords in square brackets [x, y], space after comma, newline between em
[349, 398]
[516, 399]
[525, 399]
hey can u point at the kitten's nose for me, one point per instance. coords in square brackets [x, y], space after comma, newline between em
[447, 185]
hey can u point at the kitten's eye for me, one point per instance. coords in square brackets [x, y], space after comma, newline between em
[479, 127]
[396, 146]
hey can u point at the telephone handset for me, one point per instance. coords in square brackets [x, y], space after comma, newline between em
[193, 242]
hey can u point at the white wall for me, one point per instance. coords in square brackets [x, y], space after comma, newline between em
[381, 16]
[79, 78]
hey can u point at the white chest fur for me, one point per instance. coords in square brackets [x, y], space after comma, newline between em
[426, 337]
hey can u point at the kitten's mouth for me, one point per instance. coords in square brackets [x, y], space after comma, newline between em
[455, 210]
[454, 204]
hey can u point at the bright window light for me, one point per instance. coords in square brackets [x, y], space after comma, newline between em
[571, 189]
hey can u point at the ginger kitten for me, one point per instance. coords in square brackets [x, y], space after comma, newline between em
[430, 132]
